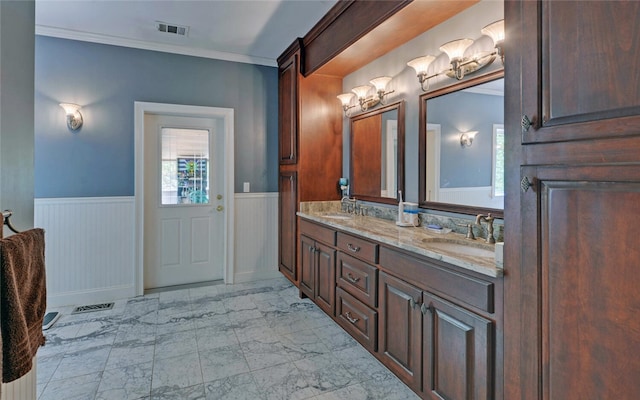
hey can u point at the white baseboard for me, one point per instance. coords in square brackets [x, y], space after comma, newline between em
[90, 296]
[243, 277]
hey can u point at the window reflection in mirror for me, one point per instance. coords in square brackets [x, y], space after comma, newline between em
[377, 156]
[462, 146]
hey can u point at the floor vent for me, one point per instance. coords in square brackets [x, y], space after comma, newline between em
[92, 307]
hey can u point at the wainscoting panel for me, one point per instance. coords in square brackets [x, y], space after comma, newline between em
[256, 241]
[24, 388]
[89, 248]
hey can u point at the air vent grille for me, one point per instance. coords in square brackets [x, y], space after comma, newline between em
[92, 307]
[172, 29]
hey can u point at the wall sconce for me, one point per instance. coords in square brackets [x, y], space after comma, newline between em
[466, 138]
[74, 118]
[460, 66]
[362, 94]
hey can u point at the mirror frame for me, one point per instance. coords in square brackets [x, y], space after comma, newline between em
[400, 106]
[422, 144]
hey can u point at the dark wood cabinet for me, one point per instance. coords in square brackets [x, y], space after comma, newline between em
[577, 70]
[318, 267]
[310, 147]
[400, 329]
[308, 266]
[358, 278]
[288, 105]
[572, 216]
[287, 202]
[458, 352]
[357, 319]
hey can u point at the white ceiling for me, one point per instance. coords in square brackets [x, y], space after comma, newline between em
[251, 31]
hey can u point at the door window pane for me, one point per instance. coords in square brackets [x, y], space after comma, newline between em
[185, 166]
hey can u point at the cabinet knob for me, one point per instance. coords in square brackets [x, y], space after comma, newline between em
[425, 309]
[412, 303]
[525, 184]
[350, 318]
[526, 123]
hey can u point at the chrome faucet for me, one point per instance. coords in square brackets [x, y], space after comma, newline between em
[349, 205]
[489, 220]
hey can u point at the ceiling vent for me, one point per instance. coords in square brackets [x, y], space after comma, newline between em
[172, 29]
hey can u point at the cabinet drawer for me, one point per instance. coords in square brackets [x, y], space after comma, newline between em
[357, 247]
[357, 319]
[318, 232]
[358, 279]
[438, 279]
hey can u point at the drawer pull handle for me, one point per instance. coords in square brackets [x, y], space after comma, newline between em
[348, 316]
[353, 248]
[351, 278]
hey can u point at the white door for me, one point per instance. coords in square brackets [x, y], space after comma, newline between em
[183, 197]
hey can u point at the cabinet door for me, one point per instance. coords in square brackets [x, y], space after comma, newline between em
[288, 110]
[288, 204]
[308, 266]
[400, 329]
[458, 352]
[580, 230]
[579, 68]
[325, 288]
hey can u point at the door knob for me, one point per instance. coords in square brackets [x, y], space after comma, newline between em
[219, 197]
[220, 208]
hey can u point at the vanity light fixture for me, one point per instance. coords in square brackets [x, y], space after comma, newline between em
[345, 99]
[455, 50]
[74, 118]
[495, 31]
[421, 65]
[466, 138]
[362, 95]
[460, 66]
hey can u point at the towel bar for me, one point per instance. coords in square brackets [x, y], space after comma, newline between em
[6, 214]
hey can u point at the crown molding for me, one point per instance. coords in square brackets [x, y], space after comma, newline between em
[144, 45]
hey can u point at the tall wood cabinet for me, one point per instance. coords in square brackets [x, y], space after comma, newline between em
[310, 148]
[572, 215]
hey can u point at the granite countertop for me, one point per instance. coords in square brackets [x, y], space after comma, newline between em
[416, 240]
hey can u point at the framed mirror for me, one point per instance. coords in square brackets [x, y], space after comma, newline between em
[461, 140]
[377, 154]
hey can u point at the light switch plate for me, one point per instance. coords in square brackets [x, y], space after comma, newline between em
[246, 187]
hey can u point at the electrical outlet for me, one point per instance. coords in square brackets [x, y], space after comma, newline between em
[246, 187]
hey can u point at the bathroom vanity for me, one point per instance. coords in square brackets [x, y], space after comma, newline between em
[427, 305]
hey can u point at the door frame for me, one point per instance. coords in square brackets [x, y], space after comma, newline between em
[227, 115]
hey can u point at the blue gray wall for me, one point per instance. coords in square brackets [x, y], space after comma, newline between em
[464, 112]
[98, 160]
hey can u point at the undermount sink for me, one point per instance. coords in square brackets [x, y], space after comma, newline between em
[461, 246]
[338, 216]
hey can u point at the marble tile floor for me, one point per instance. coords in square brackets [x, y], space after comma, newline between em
[246, 341]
